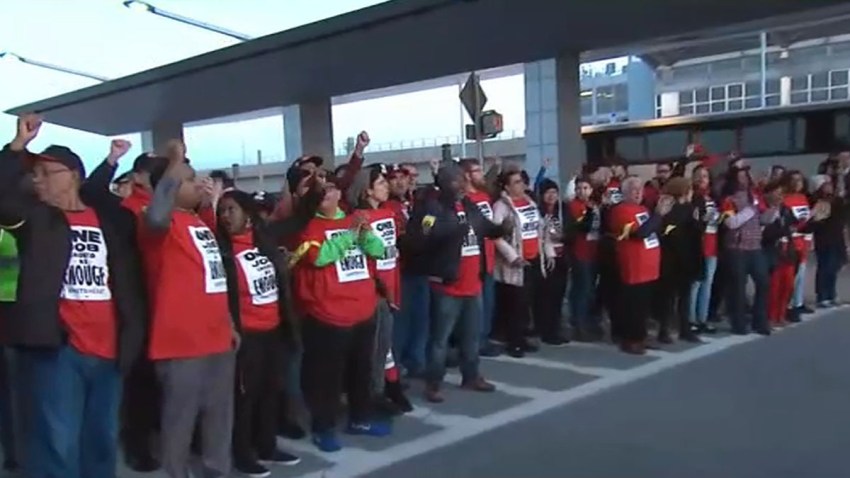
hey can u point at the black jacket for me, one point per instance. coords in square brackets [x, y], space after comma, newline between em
[681, 245]
[435, 235]
[44, 244]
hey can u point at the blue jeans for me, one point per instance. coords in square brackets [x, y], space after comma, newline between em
[69, 405]
[797, 298]
[410, 332]
[701, 293]
[743, 264]
[460, 314]
[830, 261]
[488, 308]
[582, 288]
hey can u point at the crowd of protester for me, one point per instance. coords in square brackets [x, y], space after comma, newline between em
[183, 319]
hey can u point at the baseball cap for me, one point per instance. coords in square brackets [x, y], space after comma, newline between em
[61, 155]
[317, 160]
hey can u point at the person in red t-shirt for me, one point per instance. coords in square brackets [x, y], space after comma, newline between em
[476, 191]
[796, 200]
[586, 224]
[78, 320]
[521, 262]
[255, 270]
[639, 257]
[192, 335]
[335, 290]
[368, 194]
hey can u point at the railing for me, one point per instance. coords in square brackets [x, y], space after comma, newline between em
[343, 149]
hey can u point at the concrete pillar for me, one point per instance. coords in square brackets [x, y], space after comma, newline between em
[553, 116]
[785, 91]
[155, 139]
[307, 129]
[641, 83]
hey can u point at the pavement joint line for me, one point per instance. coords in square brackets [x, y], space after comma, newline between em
[557, 365]
[363, 462]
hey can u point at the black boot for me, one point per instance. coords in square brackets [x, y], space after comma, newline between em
[394, 392]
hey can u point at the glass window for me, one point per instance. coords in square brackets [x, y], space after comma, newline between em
[736, 90]
[800, 83]
[718, 93]
[586, 105]
[604, 100]
[752, 88]
[820, 80]
[621, 97]
[799, 97]
[702, 109]
[686, 110]
[842, 125]
[772, 100]
[667, 144]
[718, 106]
[686, 97]
[630, 147]
[768, 137]
[799, 140]
[658, 101]
[718, 139]
[736, 105]
[820, 95]
[838, 78]
[702, 95]
[752, 103]
[772, 85]
[839, 93]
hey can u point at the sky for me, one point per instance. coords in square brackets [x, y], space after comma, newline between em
[104, 38]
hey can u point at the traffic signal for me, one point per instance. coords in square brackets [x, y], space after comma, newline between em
[490, 124]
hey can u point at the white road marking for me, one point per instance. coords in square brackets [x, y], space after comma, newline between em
[359, 462]
[556, 365]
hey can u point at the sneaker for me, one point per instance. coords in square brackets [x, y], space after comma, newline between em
[706, 328]
[432, 393]
[141, 463]
[394, 392]
[530, 347]
[372, 429]
[385, 407]
[690, 337]
[556, 341]
[280, 457]
[327, 442]
[824, 304]
[291, 430]
[252, 469]
[478, 385]
[804, 309]
[490, 350]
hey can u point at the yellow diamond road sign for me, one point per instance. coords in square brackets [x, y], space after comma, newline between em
[472, 94]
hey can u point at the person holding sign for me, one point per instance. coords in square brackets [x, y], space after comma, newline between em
[368, 194]
[447, 233]
[638, 255]
[522, 261]
[256, 272]
[336, 292]
[192, 336]
[78, 320]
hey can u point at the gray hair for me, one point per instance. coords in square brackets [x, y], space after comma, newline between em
[631, 182]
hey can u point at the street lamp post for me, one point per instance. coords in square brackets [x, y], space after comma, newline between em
[140, 6]
[9, 56]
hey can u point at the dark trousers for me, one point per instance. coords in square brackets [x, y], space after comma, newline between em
[671, 301]
[337, 359]
[512, 312]
[259, 373]
[719, 286]
[743, 264]
[582, 293]
[548, 300]
[140, 409]
[69, 408]
[830, 261]
[631, 311]
[8, 424]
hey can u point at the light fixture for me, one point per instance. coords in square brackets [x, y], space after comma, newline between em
[9, 56]
[140, 6]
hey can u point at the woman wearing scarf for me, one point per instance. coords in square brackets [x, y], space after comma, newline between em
[553, 287]
[709, 218]
[368, 193]
[521, 261]
[256, 273]
[335, 290]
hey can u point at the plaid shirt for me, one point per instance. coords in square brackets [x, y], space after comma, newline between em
[748, 236]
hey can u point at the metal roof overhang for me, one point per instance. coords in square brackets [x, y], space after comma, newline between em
[399, 42]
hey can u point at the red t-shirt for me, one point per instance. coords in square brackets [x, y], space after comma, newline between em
[639, 259]
[86, 306]
[529, 223]
[709, 237]
[385, 225]
[482, 200]
[341, 294]
[613, 191]
[188, 290]
[257, 280]
[799, 206]
[137, 201]
[585, 244]
[468, 283]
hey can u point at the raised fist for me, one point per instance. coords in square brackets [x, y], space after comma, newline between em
[175, 150]
[435, 165]
[362, 143]
[118, 149]
[28, 128]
